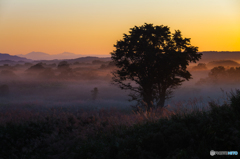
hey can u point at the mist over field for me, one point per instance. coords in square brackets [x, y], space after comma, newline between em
[42, 85]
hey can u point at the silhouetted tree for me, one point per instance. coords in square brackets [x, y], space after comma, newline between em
[94, 93]
[37, 67]
[152, 62]
[66, 71]
[76, 63]
[63, 65]
[200, 66]
[216, 72]
[110, 65]
[97, 62]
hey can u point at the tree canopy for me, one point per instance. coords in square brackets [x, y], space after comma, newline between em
[152, 62]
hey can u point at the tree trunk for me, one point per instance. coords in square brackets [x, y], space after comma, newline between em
[148, 102]
[162, 95]
[148, 98]
[161, 101]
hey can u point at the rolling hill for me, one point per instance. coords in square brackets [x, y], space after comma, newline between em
[4, 57]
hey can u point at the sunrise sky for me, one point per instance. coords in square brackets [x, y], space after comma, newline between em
[93, 26]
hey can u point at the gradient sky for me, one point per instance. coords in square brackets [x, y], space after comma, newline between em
[93, 26]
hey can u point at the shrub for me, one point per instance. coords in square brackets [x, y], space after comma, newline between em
[235, 100]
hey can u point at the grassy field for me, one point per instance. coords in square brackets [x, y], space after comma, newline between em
[159, 133]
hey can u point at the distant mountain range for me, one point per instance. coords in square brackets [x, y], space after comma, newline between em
[44, 56]
[4, 56]
[220, 55]
[207, 56]
[13, 60]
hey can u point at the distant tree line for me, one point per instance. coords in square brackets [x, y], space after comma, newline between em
[67, 71]
[221, 75]
[211, 64]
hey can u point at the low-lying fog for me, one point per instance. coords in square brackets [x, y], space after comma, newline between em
[88, 86]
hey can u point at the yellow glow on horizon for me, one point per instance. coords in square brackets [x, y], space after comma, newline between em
[93, 27]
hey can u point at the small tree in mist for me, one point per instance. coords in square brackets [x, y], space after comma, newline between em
[217, 72]
[65, 69]
[94, 93]
[37, 67]
[200, 66]
[63, 66]
[152, 62]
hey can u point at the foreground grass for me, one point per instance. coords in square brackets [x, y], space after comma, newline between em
[109, 134]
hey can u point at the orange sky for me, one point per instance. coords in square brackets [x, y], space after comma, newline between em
[93, 26]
